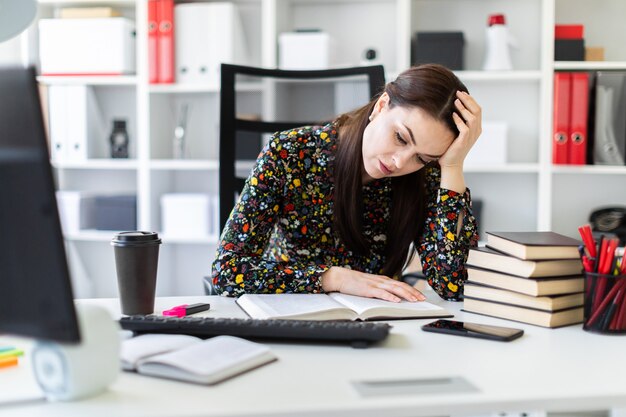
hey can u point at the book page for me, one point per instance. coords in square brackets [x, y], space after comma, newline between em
[140, 347]
[373, 307]
[209, 361]
[309, 306]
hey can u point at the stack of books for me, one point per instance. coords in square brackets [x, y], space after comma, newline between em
[531, 277]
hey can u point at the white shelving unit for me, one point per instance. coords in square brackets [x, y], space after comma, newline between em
[528, 193]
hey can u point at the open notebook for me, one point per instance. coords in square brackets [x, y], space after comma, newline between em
[191, 359]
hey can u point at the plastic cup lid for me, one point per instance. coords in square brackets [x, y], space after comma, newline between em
[135, 237]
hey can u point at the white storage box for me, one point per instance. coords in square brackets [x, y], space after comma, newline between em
[304, 50]
[76, 211]
[87, 46]
[491, 147]
[185, 215]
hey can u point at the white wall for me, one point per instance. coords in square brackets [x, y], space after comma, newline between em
[10, 51]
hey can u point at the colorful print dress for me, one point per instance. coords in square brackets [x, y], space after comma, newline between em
[279, 237]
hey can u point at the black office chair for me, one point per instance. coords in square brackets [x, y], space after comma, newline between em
[231, 126]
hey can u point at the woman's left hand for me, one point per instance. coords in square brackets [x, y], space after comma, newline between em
[469, 124]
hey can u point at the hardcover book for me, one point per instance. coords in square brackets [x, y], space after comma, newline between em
[534, 245]
[530, 286]
[488, 258]
[523, 314]
[546, 303]
[333, 306]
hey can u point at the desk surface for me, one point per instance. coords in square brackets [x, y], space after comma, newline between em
[547, 369]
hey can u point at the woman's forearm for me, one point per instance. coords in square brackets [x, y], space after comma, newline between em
[452, 178]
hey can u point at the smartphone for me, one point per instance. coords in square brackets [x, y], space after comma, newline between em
[481, 331]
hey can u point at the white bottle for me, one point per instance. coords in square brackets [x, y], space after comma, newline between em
[499, 40]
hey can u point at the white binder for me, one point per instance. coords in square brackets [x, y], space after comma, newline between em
[77, 131]
[58, 116]
[207, 35]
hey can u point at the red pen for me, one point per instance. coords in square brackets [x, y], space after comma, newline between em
[605, 303]
[617, 305]
[587, 237]
[186, 309]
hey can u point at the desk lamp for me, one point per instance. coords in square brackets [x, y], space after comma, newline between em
[15, 16]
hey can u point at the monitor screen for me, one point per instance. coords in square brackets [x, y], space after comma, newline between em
[35, 292]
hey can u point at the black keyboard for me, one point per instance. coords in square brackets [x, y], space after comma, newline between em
[358, 334]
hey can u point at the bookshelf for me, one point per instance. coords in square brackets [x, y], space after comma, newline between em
[527, 193]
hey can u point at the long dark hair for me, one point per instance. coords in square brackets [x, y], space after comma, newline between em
[429, 87]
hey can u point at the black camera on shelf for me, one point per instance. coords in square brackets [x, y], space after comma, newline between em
[119, 139]
[609, 220]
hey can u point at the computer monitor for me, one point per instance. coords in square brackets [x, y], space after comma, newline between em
[35, 292]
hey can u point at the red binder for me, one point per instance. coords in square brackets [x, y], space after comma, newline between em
[165, 18]
[578, 118]
[153, 50]
[561, 118]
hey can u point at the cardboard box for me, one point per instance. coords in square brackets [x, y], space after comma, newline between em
[103, 46]
[115, 212]
[304, 50]
[445, 48]
[185, 215]
[569, 49]
[594, 53]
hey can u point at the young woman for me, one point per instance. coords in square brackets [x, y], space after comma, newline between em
[336, 207]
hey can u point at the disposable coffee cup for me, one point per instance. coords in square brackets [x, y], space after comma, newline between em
[136, 263]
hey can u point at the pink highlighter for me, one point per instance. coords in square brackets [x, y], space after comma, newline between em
[186, 309]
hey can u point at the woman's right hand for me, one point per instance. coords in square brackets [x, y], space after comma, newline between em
[347, 281]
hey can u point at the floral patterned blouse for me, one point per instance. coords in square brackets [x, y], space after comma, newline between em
[280, 238]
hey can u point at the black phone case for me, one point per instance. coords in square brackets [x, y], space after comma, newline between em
[473, 335]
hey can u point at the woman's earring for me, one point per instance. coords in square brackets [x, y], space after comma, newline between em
[371, 117]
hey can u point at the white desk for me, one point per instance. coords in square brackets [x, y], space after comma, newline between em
[563, 369]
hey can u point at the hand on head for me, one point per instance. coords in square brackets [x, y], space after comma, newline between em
[468, 119]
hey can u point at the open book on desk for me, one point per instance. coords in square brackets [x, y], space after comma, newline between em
[334, 306]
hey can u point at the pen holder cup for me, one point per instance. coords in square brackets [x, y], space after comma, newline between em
[605, 303]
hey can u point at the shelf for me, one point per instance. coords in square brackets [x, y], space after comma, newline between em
[194, 164]
[127, 3]
[499, 75]
[333, 2]
[104, 163]
[504, 169]
[184, 165]
[92, 235]
[107, 235]
[590, 65]
[130, 80]
[590, 169]
[201, 88]
[205, 240]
